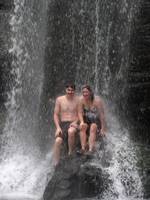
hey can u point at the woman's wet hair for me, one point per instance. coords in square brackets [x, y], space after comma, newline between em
[71, 85]
[90, 90]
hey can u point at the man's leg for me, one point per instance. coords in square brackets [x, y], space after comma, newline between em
[56, 150]
[92, 137]
[83, 136]
[71, 139]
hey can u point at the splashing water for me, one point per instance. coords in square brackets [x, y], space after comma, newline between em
[24, 175]
[23, 171]
[118, 160]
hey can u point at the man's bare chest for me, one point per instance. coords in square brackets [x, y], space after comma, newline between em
[69, 106]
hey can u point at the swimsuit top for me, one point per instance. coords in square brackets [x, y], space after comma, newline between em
[90, 115]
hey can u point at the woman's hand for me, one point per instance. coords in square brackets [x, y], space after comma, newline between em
[102, 132]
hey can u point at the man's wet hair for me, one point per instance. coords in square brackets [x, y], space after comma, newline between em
[71, 85]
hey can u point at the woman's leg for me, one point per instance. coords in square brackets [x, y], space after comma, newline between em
[92, 136]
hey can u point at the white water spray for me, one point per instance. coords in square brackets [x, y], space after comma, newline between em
[125, 182]
[23, 171]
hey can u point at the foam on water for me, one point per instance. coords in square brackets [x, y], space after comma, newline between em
[22, 174]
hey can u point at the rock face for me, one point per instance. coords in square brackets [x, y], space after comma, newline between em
[139, 74]
[5, 59]
[77, 177]
[74, 178]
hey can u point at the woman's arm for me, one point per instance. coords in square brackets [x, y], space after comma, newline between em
[101, 116]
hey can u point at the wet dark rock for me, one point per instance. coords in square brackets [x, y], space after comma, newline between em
[139, 74]
[6, 5]
[5, 57]
[74, 178]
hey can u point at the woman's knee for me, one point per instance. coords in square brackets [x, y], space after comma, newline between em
[93, 127]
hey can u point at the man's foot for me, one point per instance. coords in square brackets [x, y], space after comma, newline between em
[81, 152]
[71, 155]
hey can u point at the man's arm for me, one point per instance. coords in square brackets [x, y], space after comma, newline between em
[80, 112]
[56, 116]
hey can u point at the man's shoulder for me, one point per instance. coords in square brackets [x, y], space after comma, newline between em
[60, 98]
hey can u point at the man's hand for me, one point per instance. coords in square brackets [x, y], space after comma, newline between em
[74, 125]
[58, 132]
[83, 125]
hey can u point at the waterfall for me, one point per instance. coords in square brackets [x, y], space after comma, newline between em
[124, 180]
[54, 41]
[21, 164]
[112, 54]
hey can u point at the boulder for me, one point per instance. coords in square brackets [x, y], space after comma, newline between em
[74, 177]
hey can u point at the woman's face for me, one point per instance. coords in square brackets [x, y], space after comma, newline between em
[86, 93]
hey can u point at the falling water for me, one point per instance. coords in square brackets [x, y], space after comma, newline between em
[21, 164]
[97, 45]
[101, 60]
[110, 69]
[124, 179]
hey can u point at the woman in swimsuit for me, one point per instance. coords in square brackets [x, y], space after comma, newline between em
[91, 116]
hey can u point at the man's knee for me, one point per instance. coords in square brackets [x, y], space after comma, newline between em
[58, 141]
[71, 132]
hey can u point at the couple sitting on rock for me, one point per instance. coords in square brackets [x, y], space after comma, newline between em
[73, 115]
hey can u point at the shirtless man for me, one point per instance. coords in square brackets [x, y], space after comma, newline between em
[65, 120]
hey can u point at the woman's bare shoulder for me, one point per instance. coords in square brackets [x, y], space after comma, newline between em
[98, 100]
[80, 98]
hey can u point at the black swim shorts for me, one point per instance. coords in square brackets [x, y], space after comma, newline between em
[64, 127]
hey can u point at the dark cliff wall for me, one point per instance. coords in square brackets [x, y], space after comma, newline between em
[70, 32]
[5, 58]
[139, 74]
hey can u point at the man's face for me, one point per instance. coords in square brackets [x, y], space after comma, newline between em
[70, 91]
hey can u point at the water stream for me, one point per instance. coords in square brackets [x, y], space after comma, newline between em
[21, 164]
[103, 62]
